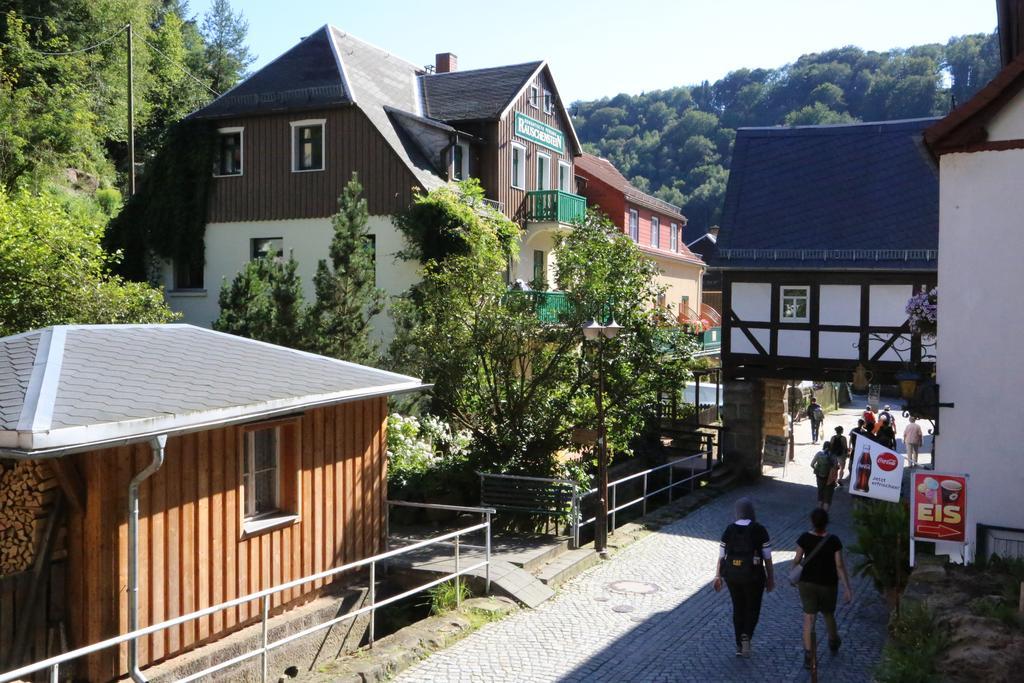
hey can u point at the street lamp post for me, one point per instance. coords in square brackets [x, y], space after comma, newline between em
[594, 331]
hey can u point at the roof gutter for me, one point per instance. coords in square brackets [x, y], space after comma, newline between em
[158, 444]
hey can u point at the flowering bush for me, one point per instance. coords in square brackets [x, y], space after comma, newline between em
[419, 450]
[923, 309]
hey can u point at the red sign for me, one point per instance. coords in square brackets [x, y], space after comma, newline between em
[887, 461]
[939, 507]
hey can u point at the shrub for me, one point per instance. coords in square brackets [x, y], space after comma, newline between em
[915, 644]
[882, 539]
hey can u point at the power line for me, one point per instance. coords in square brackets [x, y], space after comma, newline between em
[84, 49]
[182, 67]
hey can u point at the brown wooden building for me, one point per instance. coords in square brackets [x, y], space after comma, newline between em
[265, 464]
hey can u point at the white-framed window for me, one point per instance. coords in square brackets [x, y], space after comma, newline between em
[460, 161]
[534, 96]
[795, 304]
[564, 176]
[549, 102]
[261, 247]
[229, 152]
[518, 166]
[261, 473]
[634, 225]
[655, 231]
[674, 237]
[308, 145]
[543, 171]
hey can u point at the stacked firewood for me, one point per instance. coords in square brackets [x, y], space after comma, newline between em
[27, 491]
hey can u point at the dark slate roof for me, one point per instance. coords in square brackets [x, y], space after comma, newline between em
[858, 196]
[305, 77]
[93, 384]
[479, 94]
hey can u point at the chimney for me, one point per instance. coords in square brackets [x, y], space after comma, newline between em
[1011, 29]
[445, 62]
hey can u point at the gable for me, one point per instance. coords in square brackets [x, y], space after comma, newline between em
[558, 118]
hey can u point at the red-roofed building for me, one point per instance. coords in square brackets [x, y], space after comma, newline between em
[655, 225]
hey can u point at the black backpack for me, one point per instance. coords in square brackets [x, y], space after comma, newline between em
[742, 556]
[835, 446]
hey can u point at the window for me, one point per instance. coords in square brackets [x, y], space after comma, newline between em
[549, 102]
[229, 152]
[564, 176]
[543, 172]
[655, 231]
[673, 237]
[634, 225]
[795, 304]
[460, 161]
[540, 270]
[534, 96]
[684, 307]
[261, 471]
[188, 275]
[518, 166]
[262, 247]
[307, 145]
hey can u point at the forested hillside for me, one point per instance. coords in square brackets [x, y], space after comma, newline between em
[677, 143]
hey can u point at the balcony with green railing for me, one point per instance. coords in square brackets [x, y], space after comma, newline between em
[550, 307]
[543, 206]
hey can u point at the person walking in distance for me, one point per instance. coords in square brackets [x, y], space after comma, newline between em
[913, 438]
[819, 581]
[838, 447]
[886, 412]
[884, 432]
[815, 414]
[826, 471]
[869, 419]
[745, 565]
[859, 430]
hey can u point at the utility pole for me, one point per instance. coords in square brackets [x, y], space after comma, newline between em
[131, 117]
[601, 525]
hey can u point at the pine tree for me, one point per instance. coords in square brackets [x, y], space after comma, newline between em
[347, 297]
[265, 302]
[227, 55]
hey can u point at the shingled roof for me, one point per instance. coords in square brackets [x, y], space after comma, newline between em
[80, 386]
[858, 196]
[479, 94]
[605, 171]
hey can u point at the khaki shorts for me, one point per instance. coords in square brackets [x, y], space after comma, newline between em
[816, 598]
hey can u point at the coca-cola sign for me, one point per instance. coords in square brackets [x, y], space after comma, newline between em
[887, 461]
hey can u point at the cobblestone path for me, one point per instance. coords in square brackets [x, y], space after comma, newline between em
[682, 630]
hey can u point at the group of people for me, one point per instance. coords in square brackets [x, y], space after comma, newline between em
[745, 568]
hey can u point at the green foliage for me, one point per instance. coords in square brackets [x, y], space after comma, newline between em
[227, 56]
[265, 302]
[55, 272]
[347, 297]
[423, 453]
[444, 597]
[916, 642]
[882, 539]
[678, 142]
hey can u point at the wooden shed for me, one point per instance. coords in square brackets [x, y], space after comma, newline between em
[253, 464]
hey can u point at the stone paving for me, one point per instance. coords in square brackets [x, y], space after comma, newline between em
[678, 628]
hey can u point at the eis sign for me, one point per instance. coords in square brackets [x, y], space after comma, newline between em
[939, 507]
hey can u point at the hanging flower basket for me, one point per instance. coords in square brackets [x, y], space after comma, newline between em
[922, 310]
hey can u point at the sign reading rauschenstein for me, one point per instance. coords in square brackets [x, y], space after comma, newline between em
[939, 507]
[876, 471]
[539, 132]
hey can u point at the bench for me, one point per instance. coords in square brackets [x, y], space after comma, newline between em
[552, 499]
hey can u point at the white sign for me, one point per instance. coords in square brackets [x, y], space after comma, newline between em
[876, 471]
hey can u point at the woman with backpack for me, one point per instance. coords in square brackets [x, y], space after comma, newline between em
[825, 464]
[819, 556]
[745, 564]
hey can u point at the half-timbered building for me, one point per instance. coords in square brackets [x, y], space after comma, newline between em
[247, 466]
[291, 135]
[827, 231]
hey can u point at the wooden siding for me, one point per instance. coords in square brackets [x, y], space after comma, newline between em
[496, 156]
[193, 552]
[267, 189]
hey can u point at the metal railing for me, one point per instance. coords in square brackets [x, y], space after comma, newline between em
[550, 307]
[555, 205]
[614, 507]
[53, 664]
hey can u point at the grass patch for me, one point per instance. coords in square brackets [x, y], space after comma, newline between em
[445, 596]
[915, 643]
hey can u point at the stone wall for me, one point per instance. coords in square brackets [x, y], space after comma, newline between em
[773, 411]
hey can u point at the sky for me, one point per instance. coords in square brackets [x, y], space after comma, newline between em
[599, 48]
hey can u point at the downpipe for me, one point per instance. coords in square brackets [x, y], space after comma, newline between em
[158, 444]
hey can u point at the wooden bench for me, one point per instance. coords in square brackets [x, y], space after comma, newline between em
[552, 499]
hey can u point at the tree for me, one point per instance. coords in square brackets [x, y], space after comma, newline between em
[265, 302]
[54, 271]
[347, 297]
[227, 55]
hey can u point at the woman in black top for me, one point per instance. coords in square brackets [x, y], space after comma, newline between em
[745, 562]
[819, 580]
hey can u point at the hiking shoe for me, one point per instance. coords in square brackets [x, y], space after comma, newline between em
[739, 650]
[833, 645]
[745, 646]
[807, 659]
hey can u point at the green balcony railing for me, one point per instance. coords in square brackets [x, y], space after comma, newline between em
[555, 205]
[550, 307]
[711, 341]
